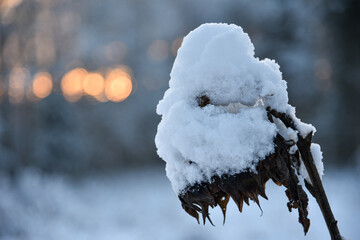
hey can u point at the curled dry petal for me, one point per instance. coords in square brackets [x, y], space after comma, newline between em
[248, 185]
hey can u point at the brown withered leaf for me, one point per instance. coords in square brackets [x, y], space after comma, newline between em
[243, 186]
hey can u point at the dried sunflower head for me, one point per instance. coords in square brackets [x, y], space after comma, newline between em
[222, 133]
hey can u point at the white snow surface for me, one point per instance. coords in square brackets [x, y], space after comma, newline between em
[140, 205]
[231, 134]
[216, 141]
[218, 60]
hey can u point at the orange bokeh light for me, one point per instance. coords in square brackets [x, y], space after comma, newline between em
[42, 85]
[72, 84]
[93, 84]
[17, 80]
[101, 98]
[176, 44]
[118, 85]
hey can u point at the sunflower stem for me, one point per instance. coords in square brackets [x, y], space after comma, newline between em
[317, 188]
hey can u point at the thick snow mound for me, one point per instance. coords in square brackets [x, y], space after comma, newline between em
[232, 133]
[200, 143]
[218, 60]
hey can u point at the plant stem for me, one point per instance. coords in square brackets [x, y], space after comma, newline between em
[319, 192]
[317, 189]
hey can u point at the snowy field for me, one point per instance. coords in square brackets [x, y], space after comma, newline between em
[142, 205]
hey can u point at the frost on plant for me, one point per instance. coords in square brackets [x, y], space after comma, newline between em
[227, 127]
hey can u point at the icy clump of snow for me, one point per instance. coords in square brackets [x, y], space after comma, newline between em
[289, 134]
[233, 133]
[303, 128]
[317, 156]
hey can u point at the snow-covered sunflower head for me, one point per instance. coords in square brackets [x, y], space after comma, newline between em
[219, 135]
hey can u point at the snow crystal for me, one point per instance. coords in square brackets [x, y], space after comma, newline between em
[288, 133]
[232, 133]
[317, 156]
[303, 128]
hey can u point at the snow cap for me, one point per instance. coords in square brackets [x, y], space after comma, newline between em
[231, 134]
[218, 60]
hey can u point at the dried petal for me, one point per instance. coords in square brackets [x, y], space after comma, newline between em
[248, 185]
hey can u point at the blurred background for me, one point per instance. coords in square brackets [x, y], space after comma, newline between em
[79, 85]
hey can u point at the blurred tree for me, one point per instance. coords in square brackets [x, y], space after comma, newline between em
[344, 22]
[316, 47]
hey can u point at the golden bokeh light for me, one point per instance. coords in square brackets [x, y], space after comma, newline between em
[93, 84]
[42, 85]
[158, 50]
[118, 85]
[17, 80]
[72, 84]
[8, 5]
[101, 98]
[75, 84]
[176, 44]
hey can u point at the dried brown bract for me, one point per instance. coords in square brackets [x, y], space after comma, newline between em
[246, 186]
[241, 187]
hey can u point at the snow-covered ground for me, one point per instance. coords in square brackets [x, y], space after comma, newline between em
[142, 205]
